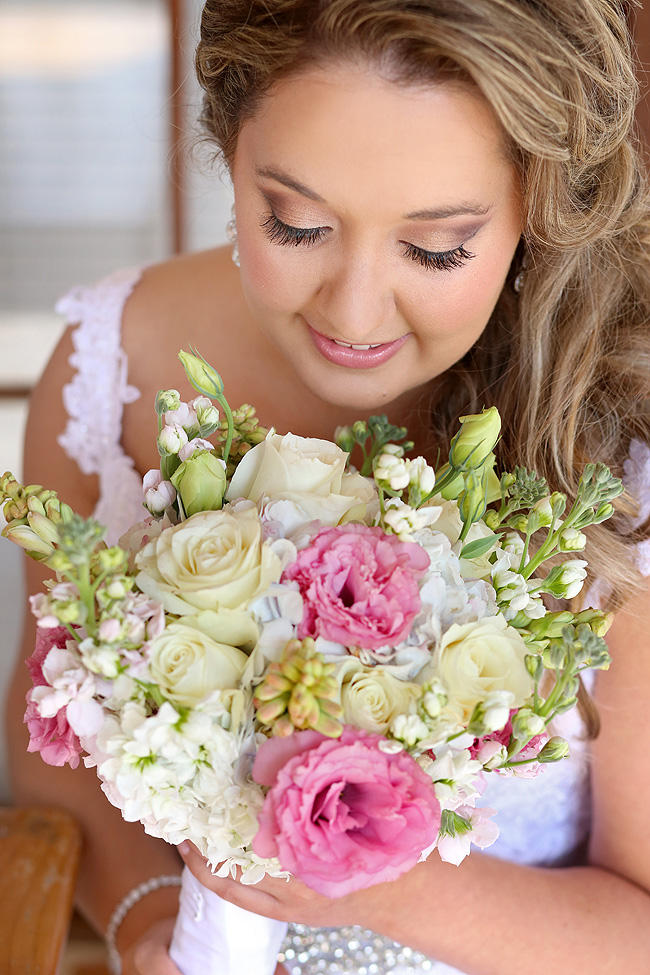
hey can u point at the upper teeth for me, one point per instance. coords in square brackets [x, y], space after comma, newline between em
[347, 345]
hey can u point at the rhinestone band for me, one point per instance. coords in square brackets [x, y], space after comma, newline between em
[350, 951]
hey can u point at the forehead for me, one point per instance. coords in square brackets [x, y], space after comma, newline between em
[356, 138]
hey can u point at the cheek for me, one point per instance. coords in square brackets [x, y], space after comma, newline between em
[273, 278]
[455, 308]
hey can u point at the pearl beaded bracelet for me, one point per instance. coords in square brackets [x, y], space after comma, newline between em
[123, 908]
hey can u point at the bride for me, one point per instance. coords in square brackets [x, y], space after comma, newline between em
[438, 206]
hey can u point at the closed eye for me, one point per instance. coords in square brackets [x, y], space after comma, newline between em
[283, 233]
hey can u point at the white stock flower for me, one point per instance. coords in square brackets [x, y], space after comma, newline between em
[404, 521]
[483, 833]
[476, 659]
[373, 696]
[421, 475]
[391, 471]
[310, 473]
[572, 577]
[213, 560]
[409, 728]
[171, 438]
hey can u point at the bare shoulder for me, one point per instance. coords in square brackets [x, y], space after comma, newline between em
[45, 460]
[621, 793]
[194, 299]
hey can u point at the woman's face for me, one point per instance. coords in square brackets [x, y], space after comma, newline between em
[370, 214]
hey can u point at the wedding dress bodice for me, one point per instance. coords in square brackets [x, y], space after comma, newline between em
[543, 820]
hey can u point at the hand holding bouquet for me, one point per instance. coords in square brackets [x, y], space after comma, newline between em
[305, 668]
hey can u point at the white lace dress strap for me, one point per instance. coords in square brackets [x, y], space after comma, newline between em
[637, 481]
[95, 398]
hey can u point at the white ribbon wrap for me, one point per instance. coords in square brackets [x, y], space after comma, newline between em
[214, 937]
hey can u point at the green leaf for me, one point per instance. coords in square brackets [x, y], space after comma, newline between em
[452, 824]
[478, 547]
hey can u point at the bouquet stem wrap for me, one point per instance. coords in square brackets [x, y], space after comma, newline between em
[214, 937]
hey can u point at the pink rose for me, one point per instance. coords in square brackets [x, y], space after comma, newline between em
[341, 814]
[359, 586]
[52, 737]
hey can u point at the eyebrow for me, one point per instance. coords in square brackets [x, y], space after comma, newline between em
[438, 213]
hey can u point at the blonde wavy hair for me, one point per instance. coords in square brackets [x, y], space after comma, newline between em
[566, 360]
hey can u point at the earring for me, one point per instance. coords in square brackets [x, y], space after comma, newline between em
[518, 283]
[231, 234]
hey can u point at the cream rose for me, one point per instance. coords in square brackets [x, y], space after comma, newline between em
[215, 560]
[188, 665]
[309, 473]
[372, 696]
[475, 659]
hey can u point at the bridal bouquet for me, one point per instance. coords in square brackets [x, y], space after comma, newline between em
[302, 667]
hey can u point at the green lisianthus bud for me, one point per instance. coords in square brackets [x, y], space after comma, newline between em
[555, 749]
[200, 482]
[476, 439]
[167, 399]
[344, 438]
[201, 374]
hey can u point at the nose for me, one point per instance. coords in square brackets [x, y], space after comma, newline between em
[355, 302]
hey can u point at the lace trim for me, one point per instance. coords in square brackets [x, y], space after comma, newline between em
[95, 397]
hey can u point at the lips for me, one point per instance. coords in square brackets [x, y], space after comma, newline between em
[355, 356]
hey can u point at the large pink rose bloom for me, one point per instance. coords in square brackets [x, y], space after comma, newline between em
[341, 814]
[52, 737]
[359, 586]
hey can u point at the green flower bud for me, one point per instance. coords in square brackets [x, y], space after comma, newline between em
[571, 540]
[201, 374]
[344, 438]
[555, 749]
[360, 431]
[541, 515]
[28, 539]
[534, 665]
[200, 482]
[167, 399]
[476, 438]
[112, 560]
[491, 519]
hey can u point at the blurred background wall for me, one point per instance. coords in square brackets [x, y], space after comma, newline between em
[97, 171]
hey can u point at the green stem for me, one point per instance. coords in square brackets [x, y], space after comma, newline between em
[231, 426]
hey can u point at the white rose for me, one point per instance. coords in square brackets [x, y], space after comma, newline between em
[475, 659]
[214, 560]
[308, 472]
[188, 665]
[372, 696]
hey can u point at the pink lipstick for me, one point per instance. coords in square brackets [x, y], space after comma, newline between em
[355, 358]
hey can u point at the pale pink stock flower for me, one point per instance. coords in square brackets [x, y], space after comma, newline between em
[359, 586]
[53, 737]
[190, 448]
[341, 814]
[184, 416]
[158, 494]
[40, 608]
[479, 749]
[484, 832]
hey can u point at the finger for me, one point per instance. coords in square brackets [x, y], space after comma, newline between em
[250, 897]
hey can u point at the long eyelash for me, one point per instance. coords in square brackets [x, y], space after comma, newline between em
[438, 261]
[282, 233]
